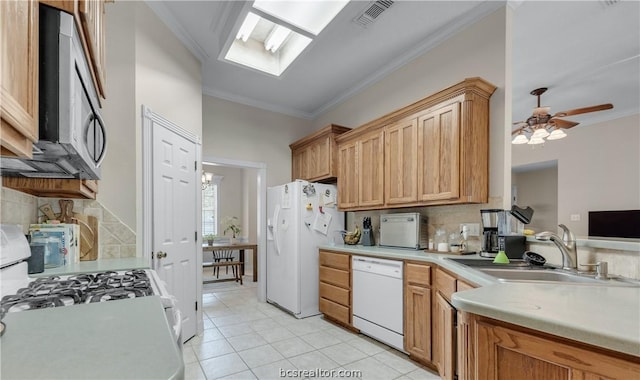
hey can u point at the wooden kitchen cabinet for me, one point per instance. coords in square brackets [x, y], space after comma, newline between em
[361, 172]
[417, 311]
[439, 154]
[505, 351]
[315, 157]
[335, 286]
[401, 162]
[348, 175]
[19, 82]
[92, 18]
[300, 164]
[436, 151]
[446, 329]
[371, 170]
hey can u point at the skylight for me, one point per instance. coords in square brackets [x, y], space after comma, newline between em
[274, 33]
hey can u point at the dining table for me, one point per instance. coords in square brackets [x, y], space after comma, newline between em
[241, 247]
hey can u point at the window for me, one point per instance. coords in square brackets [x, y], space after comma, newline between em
[210, 207]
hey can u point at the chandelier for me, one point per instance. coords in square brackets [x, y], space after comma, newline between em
[206, 180]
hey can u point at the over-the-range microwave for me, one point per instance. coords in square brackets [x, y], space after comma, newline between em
[72, 138]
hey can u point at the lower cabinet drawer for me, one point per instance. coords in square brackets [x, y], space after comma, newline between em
[335, 260]
[446, 284]
[335, 294]
[338, 312]
[334, 276]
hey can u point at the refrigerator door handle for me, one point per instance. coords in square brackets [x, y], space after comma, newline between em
[276, 216]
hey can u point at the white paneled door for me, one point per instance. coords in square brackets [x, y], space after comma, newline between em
[174, 220]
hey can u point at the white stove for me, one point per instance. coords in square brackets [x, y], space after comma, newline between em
[18, 292]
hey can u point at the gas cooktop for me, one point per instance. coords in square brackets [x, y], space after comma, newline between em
[55, 291]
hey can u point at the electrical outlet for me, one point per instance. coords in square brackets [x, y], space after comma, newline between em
[473, 229]
[575, 217]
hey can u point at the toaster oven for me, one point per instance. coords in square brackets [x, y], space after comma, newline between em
[405, 230]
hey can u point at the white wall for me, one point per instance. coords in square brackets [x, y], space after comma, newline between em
[478, 51]
[539, 190]
[250, 198]
[598, 169]
[146, 64]
[118, 185]
[235, 131]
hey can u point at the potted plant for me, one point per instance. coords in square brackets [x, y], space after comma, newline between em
[209, 238]
[232, 223]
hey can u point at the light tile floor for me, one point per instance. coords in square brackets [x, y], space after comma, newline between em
[248, 339]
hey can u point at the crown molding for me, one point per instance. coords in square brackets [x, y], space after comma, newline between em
[165, 15]
[441, 35]
[257, 104]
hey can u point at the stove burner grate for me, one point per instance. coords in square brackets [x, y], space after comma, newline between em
[54, 291]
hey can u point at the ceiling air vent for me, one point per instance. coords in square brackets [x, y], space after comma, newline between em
[374, 10]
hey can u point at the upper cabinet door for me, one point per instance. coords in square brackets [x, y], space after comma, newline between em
[92, 17]
[401, 162]
[347, 175]
[320, 165]
[371, 169]
[19, 82]
[300, 164]
[439, 154]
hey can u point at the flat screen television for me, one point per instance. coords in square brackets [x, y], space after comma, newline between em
[618, 224]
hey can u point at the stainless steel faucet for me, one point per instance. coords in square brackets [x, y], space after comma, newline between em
[566, 245]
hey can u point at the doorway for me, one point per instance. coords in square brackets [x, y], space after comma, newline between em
[255, 208]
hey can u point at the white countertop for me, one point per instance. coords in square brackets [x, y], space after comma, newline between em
[602, 316]
[124, 339]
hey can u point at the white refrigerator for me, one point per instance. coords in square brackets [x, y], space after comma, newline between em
[300, 216]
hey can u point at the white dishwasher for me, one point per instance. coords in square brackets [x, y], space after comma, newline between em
[378, 299]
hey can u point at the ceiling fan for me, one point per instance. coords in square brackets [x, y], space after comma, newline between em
[541, 125]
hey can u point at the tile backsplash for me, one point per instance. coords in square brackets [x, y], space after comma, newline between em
[115, 239]
[622, 263]
[449, 217]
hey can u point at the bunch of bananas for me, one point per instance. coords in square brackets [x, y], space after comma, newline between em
[352, 238]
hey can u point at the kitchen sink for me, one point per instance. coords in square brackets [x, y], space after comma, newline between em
[521, 271]
[513, 264]
[553, 275]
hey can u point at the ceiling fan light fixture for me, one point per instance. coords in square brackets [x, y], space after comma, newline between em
[520, 139]
[540, 133]
[557, 135]
[535, 141]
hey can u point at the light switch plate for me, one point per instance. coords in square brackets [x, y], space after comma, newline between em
[473, 229]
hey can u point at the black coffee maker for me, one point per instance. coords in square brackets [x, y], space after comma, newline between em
[504, 228]
[490, 220]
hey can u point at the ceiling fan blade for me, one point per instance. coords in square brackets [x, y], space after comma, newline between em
[518, 130]
[578, 111]
[565, 124]
[520, 122]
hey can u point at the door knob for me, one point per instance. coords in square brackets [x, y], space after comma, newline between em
[161, 255]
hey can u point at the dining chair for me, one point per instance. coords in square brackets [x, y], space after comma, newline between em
[223, 254]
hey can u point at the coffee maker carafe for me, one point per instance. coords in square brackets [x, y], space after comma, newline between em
[490, 221]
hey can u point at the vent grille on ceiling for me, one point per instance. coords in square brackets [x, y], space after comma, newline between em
[374, 11]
